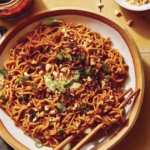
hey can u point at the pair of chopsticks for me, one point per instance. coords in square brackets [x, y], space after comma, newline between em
[99, 126]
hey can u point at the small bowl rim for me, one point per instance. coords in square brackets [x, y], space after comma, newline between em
[125, 5]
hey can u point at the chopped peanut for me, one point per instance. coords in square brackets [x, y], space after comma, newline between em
[28, 88]
[33, 62]
[100, 5]
[117, 13]
[129, 22]
[137, 2]
[41, 72]
[48, 66]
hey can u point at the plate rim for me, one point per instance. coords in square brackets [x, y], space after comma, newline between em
[128, 40]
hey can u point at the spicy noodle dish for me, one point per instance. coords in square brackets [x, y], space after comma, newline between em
[62, 80]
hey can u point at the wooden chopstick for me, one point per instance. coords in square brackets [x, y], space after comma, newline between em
[126, 92]
[88, 136]
[129, 98]
[97, 128]
[69, 139]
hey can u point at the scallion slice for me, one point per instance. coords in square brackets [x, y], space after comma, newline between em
[67, 55]
[59, 55]
[67, 147]
[77, 75]
[61, 107]
[38, 143]
[24, 78]
[52, 21]
[3, 99]
[88, 130]
[61, 129]
[106, 68]
[3, 71]
[88, 71]
[75, 85]
[54, 85]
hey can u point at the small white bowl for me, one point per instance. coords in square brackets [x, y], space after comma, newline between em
[126, 5]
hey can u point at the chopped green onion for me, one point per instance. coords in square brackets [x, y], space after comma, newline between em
[88, 130]
[66, 81]
[81, 57]
[68, 56]
[59, 55]
[59, 86]
[3, 71]
[49, 83]
[54, 85]
[88, 71]
[61, 129]
[61, 107]
[18, 81]
[21, 95]
[38, 143]
[24, 78]
[67, 147]
[76, 75]
[52, 21]
[3, 99]
[85, 107]
[75, 85]
[106, 78]
[106, 68]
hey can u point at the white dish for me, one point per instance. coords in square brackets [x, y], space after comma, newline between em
[121, 40]
[126, 5]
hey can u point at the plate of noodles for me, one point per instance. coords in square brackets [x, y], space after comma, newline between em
[70, 79]
[134, 5]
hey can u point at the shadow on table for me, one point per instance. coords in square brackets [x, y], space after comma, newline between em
[142, 26]
[4, 145]
[139, 134]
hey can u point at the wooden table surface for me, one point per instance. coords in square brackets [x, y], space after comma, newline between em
[139, 136]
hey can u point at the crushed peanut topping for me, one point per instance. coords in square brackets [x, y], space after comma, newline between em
[137, 2]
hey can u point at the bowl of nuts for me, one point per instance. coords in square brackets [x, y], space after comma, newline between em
[134, 5]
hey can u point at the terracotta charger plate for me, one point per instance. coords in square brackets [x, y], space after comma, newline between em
[120, 39]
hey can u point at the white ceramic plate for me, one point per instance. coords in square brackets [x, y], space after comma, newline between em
[121, 40]
[126, 5]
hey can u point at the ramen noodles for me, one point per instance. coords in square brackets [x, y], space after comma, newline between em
[61, 77]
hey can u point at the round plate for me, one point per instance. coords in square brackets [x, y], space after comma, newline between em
[120, 39]
[126, 5]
